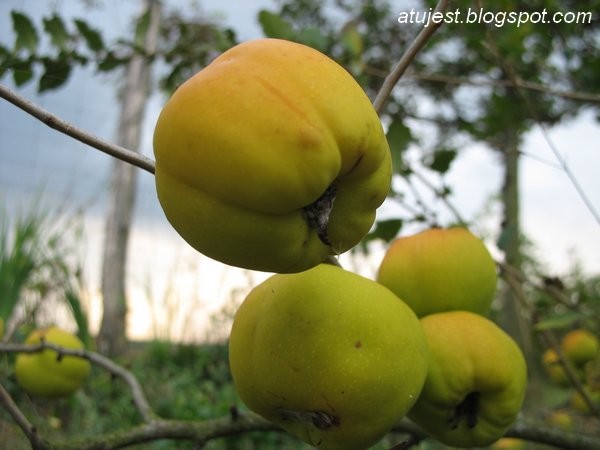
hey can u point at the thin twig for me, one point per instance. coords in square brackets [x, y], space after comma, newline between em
[28, 429]
[516, 286]
[64, 127]
[408, 56]
[512, 83]
[139, 398]
[510, 71]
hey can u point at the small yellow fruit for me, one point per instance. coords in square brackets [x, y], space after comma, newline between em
[46, 374]
[507, 443]
[553, 368]
[334, 358]
[271, 158]
[580, 346]
[440, 270]
[578, 403]
[560, 419]
[476, 380]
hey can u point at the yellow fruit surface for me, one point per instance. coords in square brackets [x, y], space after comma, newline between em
[45, 374]
[332, 357]
[508, 443]
[580, 346]
[440, 270]
[476, 380]
[271, 158]
[553, 368]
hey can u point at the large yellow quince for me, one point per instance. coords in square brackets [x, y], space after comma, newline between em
[46, 374]
[440, 270]
[476, 380]
[271, 158]
[332, 357]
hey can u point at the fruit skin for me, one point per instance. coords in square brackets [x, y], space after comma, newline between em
[560, 419]
[508, 443]
[440, 269]
[554, 369]
[578, 403]
[580, 346]
[245, 145]
[332, 357]
[43, 374]
[476, 380]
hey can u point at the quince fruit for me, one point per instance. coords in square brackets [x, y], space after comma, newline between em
[48, 374]
[440, 270]
[333, 358]
[507, 443]
[476, 380]
[553, 368]
[578, 403]
[271, 158]
[560, 418]
[580, 346]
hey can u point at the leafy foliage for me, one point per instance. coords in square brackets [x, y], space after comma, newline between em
[187, 44]
[37, 272]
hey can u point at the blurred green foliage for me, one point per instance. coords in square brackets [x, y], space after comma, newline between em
[40, 270]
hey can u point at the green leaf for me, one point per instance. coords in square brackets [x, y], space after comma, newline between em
[398, 137]
[386, 229]
[352, 40]
[441, 160]
[26, 35]
[141, 28]
[81, 319]
[559, 322]
[56, 73]
[274, 26]
[22, 72]
[59, 37]
[110, 62]
[92, 37]
[313, 37]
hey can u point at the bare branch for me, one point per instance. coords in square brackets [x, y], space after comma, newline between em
[511, 72]
[408, 56]
[139, 398]
[514, 83]
[542, 434]
[36, 442]
[516, 285]
[197, 431]
[64, 127]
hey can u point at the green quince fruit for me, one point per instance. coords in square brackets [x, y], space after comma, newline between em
[476, 380]
[440, 270]
[333, 358]
[46, 373]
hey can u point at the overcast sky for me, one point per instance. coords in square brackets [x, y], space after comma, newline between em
[34, 158]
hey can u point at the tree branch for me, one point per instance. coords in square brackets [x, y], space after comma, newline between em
[64, 127]
[512, 83]
[408, 56]
[28, 429]
[139, 398]
[197, 431]
[516, 286]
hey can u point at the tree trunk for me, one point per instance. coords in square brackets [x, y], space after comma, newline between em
[112, 336]
[510, 236]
